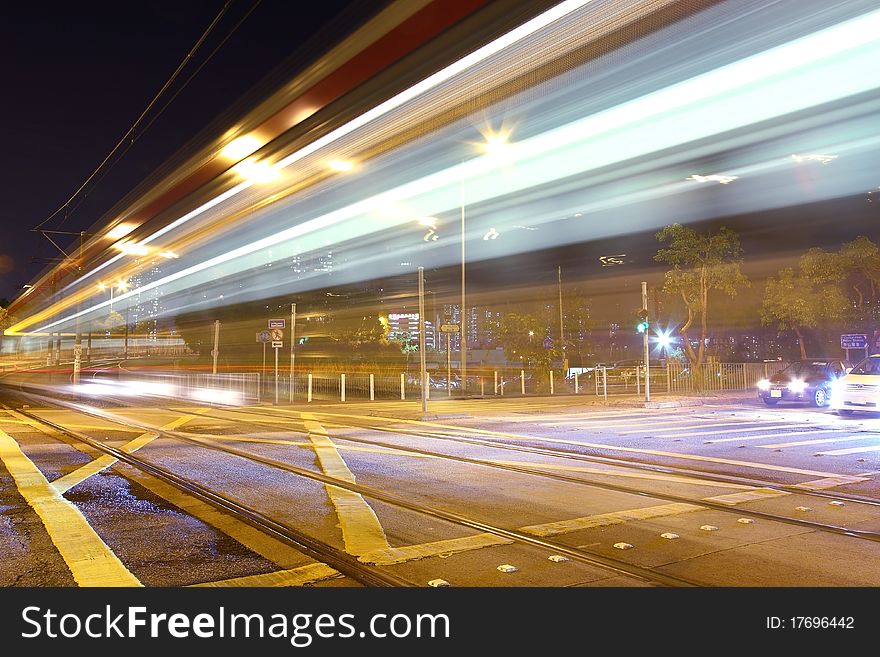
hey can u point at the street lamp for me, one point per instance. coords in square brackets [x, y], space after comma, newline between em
[122, 285]
[494, 146]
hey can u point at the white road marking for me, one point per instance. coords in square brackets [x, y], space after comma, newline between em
[818, 441]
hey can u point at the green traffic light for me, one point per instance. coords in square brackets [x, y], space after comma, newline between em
[641, 327]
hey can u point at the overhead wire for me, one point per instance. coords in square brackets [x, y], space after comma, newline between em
[171, 100]
[143, 114]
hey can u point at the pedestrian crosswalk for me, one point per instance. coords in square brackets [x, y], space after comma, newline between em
[756, 428]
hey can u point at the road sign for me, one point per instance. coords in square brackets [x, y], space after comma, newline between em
[277, 344]
[276, 323]
[263, 336]
[450, 328]
[277, 334]
[853, 341]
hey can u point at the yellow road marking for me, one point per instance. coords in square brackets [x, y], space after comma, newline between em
[606, 519]
[392, 555]
[818, 441]
[627, 474]
[361, 530]
[314, 572]
[71, 479]
[830, 482]
[90, 560]
[748, 496]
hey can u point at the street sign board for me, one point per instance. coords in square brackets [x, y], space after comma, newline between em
[263, 336]
[450, 328]
[277, 334]
[277, 344]
[853, 341]
[276, 323]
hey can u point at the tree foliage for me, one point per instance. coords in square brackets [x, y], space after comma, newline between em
[701, 264]
[519, 345]
[855, 268]
[798, 301]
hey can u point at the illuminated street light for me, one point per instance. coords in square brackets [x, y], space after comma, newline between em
[131, 248]
[814, 157]
[340, 165]
[723, 180]
[122, 286]
[120, 230]
[241, 147]
[256, 171]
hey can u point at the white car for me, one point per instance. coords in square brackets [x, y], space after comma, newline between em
[860, 389]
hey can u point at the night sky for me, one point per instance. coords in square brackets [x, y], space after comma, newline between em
[77, 75]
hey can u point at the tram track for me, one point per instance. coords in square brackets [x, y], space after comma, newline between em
[561, 454]
[610, 564]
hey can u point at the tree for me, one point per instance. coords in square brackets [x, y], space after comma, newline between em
[514, 336]
[701, 264]
[855, 267]
[794, 302]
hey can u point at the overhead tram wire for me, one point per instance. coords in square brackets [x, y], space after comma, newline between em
[159, 112]
[131, 130]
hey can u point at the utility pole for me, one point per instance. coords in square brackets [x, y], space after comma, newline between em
[77, 341]
[463, 306]
[422, 364]
[561, 333]
[647, 348]
[216, 351]
[292, 347]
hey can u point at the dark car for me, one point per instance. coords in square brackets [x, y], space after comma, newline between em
[802, 381]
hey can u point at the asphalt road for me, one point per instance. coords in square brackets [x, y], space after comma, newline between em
[495, 493]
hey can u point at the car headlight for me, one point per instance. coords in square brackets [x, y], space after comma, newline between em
[797, 386]
[763, 384]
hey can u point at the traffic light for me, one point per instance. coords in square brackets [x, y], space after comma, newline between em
[642, 326]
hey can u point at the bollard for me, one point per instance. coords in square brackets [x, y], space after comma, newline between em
[342, 387]
[372, 389]
[575, 383]
[605, 383]
[522, 381]
[638, 379]
[310, 388]
[482, 388]
[496, 382]
[551, 382]
[402, 387]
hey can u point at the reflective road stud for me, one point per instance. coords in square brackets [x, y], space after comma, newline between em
[438, 583]
[745, 521]
[557, 558]
[709, 528]
[507, 568]
[668, 535]
[623, 546]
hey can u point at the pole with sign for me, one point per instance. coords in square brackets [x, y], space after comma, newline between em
[854, 341]
[277, 335]
[449, 329]
[263, 337]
